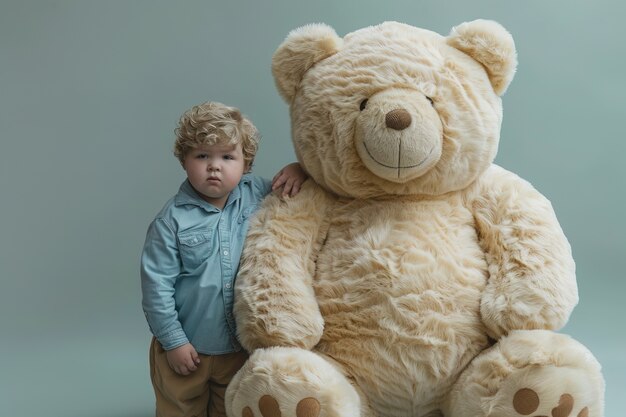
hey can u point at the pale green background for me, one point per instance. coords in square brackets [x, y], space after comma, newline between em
[89, 96]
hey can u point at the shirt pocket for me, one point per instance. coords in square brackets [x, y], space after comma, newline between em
[195, 248]
[247, 212]
[244, 220]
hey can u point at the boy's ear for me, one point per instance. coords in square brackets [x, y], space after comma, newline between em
[490, 44]
[302, 48]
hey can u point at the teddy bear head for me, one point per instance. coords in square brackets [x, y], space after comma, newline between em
[394, 109]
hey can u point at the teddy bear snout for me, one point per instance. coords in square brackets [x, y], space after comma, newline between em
[398, 119]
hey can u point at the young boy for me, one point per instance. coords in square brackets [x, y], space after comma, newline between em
[191, 256]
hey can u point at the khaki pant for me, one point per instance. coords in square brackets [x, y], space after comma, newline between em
[198, 394]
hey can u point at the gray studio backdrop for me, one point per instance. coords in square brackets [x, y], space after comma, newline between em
[90, 92]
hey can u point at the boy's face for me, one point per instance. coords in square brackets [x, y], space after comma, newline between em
[214, 171]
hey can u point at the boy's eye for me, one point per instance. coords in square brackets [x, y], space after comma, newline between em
[229, 157]
[202, 156]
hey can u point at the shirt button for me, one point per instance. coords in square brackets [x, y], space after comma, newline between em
[228, 285]
[225, 253]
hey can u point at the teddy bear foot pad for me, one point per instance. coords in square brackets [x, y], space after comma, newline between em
[269, 407]
[526, 402]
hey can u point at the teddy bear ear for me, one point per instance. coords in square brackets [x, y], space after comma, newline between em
[492, 45]
[302, 48]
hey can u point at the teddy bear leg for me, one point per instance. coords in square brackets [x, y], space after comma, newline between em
[533, 373]
[291, 382]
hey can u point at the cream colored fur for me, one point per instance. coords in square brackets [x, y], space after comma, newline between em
[400, 278]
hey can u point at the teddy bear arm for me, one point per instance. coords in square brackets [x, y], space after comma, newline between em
[532, 282]
[275, 303]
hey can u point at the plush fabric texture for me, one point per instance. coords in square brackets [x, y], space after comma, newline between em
[411, 276]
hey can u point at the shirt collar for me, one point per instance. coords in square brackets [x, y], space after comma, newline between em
[187, 195]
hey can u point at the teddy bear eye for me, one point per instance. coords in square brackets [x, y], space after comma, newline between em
[363, 104]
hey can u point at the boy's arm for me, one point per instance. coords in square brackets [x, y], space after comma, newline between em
[532, 281]
[275, 303]
[291, 178]
[160, 266]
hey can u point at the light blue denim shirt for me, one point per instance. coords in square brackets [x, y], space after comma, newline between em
[189, 263]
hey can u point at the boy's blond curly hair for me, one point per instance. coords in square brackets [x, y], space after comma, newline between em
[215, 123]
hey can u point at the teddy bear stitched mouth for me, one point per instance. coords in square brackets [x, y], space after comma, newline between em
[399, 155]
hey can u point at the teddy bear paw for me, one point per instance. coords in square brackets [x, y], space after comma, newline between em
[290, 382]
[269, 407]
[526, 402]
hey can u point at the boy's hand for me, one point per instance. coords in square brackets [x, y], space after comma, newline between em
[183, 360]
[290, 178]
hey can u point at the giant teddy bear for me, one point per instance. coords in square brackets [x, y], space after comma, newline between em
[411, 276]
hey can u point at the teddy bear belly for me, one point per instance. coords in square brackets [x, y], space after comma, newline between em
[400, 297]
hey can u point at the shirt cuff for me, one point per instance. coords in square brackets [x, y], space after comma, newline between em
[173, 339]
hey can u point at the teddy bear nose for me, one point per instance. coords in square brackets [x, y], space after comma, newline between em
[398, 119]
